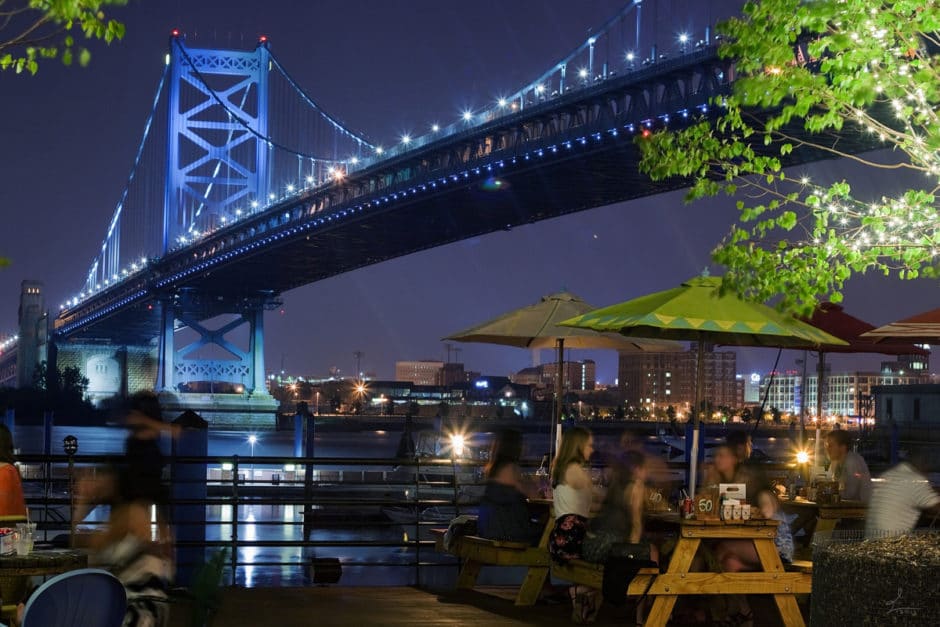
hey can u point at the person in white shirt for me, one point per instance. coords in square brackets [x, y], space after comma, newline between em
[572, 489]
[899, 497]
[847, 467]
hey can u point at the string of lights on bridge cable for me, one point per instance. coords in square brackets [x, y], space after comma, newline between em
[243, 136]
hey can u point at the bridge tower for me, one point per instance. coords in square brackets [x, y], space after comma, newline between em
[217, 155]
[217, 167]
[33, 320]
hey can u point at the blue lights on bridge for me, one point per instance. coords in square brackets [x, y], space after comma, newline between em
[110, 274]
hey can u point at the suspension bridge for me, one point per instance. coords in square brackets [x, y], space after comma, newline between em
[243, 187]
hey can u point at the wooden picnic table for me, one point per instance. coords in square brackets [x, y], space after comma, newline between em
[825, 517]
[772, 579]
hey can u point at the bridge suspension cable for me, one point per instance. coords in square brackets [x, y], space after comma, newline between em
[268, 138]
[107, 263]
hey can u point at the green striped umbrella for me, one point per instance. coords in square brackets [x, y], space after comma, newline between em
[697, 311]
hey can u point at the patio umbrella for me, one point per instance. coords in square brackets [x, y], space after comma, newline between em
[833, 319]
[697, 311]
[923, 329]
[536, 327]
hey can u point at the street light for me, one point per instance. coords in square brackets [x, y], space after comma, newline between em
[70, 446]
[252, 440]
[457, 442]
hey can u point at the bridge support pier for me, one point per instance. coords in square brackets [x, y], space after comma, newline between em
[225, 388]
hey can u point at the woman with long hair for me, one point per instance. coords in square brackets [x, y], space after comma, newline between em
[12, 502]
[503, 513]
[724, 467]
[573, 491]
[620, 520]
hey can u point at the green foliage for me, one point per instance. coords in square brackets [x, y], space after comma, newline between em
[806, 71]
[34, 30]
[41, 376]
[72, 382]
[205, 590]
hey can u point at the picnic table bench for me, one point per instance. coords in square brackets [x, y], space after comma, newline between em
[477, 552]
[591, 574]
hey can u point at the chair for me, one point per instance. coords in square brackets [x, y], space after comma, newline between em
[78, 598]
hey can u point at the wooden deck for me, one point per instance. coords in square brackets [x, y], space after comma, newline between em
[401, 606]
[393, 606]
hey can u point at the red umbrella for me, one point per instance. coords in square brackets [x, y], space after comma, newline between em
[833, 319]
[923, 328]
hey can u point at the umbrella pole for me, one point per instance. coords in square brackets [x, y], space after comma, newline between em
[803, 399]
[559, 390]
[817, 445]
[693, 461]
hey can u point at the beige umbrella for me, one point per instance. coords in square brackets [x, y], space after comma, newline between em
[923, 328]
[536, 327]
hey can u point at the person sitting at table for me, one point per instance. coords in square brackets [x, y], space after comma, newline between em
[572, 493]
[847, 467]
[899, 498]
[620, 520]
[12, 502]
[742, 556]
[615, 535]
[503, 512]
[724, 467]
[657, 472]
[749, 472]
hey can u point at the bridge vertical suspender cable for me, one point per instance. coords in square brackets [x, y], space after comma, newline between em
[108, 259]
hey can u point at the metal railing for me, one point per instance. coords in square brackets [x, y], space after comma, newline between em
[273, 515]
[279, 512]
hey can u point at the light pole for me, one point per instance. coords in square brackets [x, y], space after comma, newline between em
[358, 355]
[457, 442]
[252, 440]
[317, 409]
[70, 446]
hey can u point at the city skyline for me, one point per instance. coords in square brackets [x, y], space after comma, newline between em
[66, 174]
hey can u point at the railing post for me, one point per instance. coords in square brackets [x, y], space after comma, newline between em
[309, 450]
[47, 420]
[234, 517]
[417, 522]
[189, 484]
[895, 443]
[299, 417]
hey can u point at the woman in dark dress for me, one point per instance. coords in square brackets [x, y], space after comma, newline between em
[504, 514]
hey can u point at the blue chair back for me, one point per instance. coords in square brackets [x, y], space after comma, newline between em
[78, 598]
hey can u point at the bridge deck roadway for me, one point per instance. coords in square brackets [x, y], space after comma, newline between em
[547, 174]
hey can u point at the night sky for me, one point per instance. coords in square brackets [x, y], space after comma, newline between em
[68, 135]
